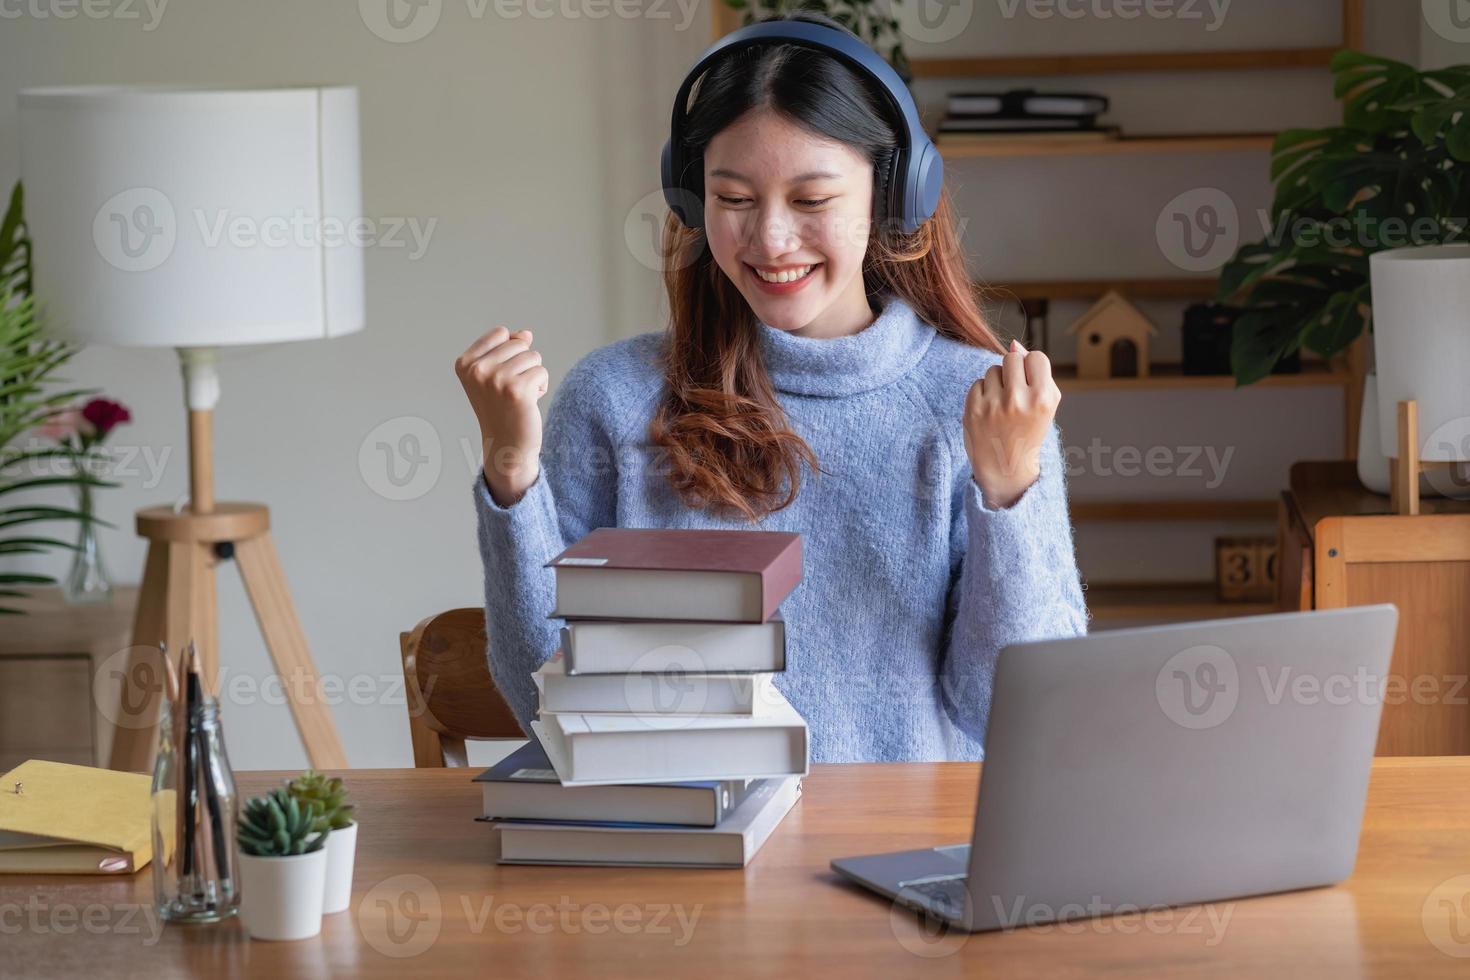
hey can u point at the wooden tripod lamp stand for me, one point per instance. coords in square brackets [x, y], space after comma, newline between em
[198, 219]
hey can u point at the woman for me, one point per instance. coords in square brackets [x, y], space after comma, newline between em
[822, 373]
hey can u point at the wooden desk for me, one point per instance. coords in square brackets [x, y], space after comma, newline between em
[421, 859]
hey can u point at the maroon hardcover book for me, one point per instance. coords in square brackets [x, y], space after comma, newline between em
[773, 556]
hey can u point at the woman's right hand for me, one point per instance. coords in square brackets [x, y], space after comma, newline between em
[503, 379]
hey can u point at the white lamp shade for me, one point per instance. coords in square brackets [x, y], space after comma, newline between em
[1421, 345]
[181, 217]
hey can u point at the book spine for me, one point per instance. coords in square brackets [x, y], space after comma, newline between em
[778, 581]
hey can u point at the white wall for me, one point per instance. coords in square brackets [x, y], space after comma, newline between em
[532, 143]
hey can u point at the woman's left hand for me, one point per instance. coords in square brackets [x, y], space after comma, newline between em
[1008, 413]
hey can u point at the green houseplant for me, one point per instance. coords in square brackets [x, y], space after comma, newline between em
[327, 798]
[865, 18]
[28, 363]
[282, 868]
[1390, 176]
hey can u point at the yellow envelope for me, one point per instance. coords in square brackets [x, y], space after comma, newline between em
[74, 820]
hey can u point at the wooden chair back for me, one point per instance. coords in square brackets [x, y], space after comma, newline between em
[450, 693]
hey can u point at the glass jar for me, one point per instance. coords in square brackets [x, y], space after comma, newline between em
[194, 813]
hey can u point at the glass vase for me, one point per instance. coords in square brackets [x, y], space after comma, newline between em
[87, 580]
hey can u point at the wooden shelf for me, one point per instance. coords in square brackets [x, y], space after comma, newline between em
[1175, 288]
[1143, 61]
[1022, 146]
[1168, 601]
[1167, 376]
[1174, 510]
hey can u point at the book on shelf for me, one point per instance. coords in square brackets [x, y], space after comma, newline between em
[666, 692]
[1022, 103]
[953, 139]
[590, 749]
[676, 574]
[1003, 124]
[729, 844]
[615, 647]
[524, 786]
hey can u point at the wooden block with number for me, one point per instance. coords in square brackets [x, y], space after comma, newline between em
[1245, 569]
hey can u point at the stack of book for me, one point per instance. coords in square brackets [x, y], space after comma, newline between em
[660, 737]
[1023, 114]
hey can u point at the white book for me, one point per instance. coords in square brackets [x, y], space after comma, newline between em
[672, 693]
[620, 647]
[730, 844]
[596, 749]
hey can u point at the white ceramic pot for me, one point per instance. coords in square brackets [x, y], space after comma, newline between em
[1421, 345]
[281, 897]
[341, 856]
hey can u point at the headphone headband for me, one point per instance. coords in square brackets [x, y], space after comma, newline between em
[917, 168]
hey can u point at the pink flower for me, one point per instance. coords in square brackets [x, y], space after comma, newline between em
[63, 424]
[105, 415]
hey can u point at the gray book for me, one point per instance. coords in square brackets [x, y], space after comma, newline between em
[609, 646]
[730, 844]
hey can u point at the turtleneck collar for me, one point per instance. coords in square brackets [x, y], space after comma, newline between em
[880, 353]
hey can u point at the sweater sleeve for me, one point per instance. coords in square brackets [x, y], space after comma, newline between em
[575, 492]
[1017, 581]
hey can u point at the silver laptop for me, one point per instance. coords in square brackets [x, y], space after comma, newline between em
[1160, 766]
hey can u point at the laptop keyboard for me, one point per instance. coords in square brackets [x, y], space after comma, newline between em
[944, 896]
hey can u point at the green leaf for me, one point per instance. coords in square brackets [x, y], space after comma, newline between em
[1338, 325]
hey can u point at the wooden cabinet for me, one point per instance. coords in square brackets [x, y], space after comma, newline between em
[1341, 546]
[59, 677]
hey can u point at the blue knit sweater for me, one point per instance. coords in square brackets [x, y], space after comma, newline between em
[911, 582]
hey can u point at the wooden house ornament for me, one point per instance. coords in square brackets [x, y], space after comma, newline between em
[1113, 339]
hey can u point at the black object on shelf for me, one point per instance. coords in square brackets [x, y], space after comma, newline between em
[1207, 332]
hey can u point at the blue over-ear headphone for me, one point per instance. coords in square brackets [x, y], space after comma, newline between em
[916, 173]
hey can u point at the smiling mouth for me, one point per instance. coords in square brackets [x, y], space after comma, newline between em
[786, 275]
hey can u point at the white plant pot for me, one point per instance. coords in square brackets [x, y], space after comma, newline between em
[341, 856]
[281, 897]
[1421, 345]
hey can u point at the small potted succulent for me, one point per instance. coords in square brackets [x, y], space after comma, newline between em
[328, 797]
[283, 866]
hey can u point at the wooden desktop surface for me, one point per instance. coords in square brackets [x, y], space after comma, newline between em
[428, 901]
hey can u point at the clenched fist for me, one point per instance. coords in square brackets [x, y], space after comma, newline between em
[503, 378]
[1007, 416]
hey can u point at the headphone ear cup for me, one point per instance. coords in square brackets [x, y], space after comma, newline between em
[928, 183]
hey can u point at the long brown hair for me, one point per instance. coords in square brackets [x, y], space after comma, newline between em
[726, 440]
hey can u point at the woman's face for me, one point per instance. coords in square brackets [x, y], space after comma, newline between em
[780, 199]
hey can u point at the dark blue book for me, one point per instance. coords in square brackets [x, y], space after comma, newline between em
[523, 786]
